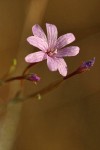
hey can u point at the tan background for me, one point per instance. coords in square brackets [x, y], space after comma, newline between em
[68, 117]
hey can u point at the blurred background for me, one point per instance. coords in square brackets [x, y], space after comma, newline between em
[69, 116]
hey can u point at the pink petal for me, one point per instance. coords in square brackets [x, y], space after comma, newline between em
[51, 63]
[51, 35]
[38, 42]
[37, 30]
[35, 57]
[68, 51]
[64, 40]
[62, 66]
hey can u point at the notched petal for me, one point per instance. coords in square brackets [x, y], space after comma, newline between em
[62, 66]
[37, 30]
[65, 40]
[68, 51]
[38, 42]
[52, 34]
[51, 63]
[35, 57]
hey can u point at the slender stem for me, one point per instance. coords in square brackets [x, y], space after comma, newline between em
[52, 86]
[46, 89]
[28, 67]
[20, 77]
[14, 78]
[70, 75]
[82, 68]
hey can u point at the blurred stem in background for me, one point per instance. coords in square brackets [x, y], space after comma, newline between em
[17, 18]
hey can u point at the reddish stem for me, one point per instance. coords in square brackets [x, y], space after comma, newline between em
[15, 78]
[28, 67]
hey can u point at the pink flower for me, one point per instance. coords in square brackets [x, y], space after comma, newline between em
[52, 49]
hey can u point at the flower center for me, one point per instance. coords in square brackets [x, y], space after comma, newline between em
[52, 52]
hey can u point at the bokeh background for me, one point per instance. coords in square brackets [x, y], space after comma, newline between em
[69, 116]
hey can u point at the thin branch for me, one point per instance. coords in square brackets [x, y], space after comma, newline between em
[28, 67]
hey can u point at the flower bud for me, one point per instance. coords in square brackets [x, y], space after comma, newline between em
[32, 77]
[86, 65]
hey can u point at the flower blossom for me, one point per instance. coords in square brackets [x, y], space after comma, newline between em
[51, 48]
